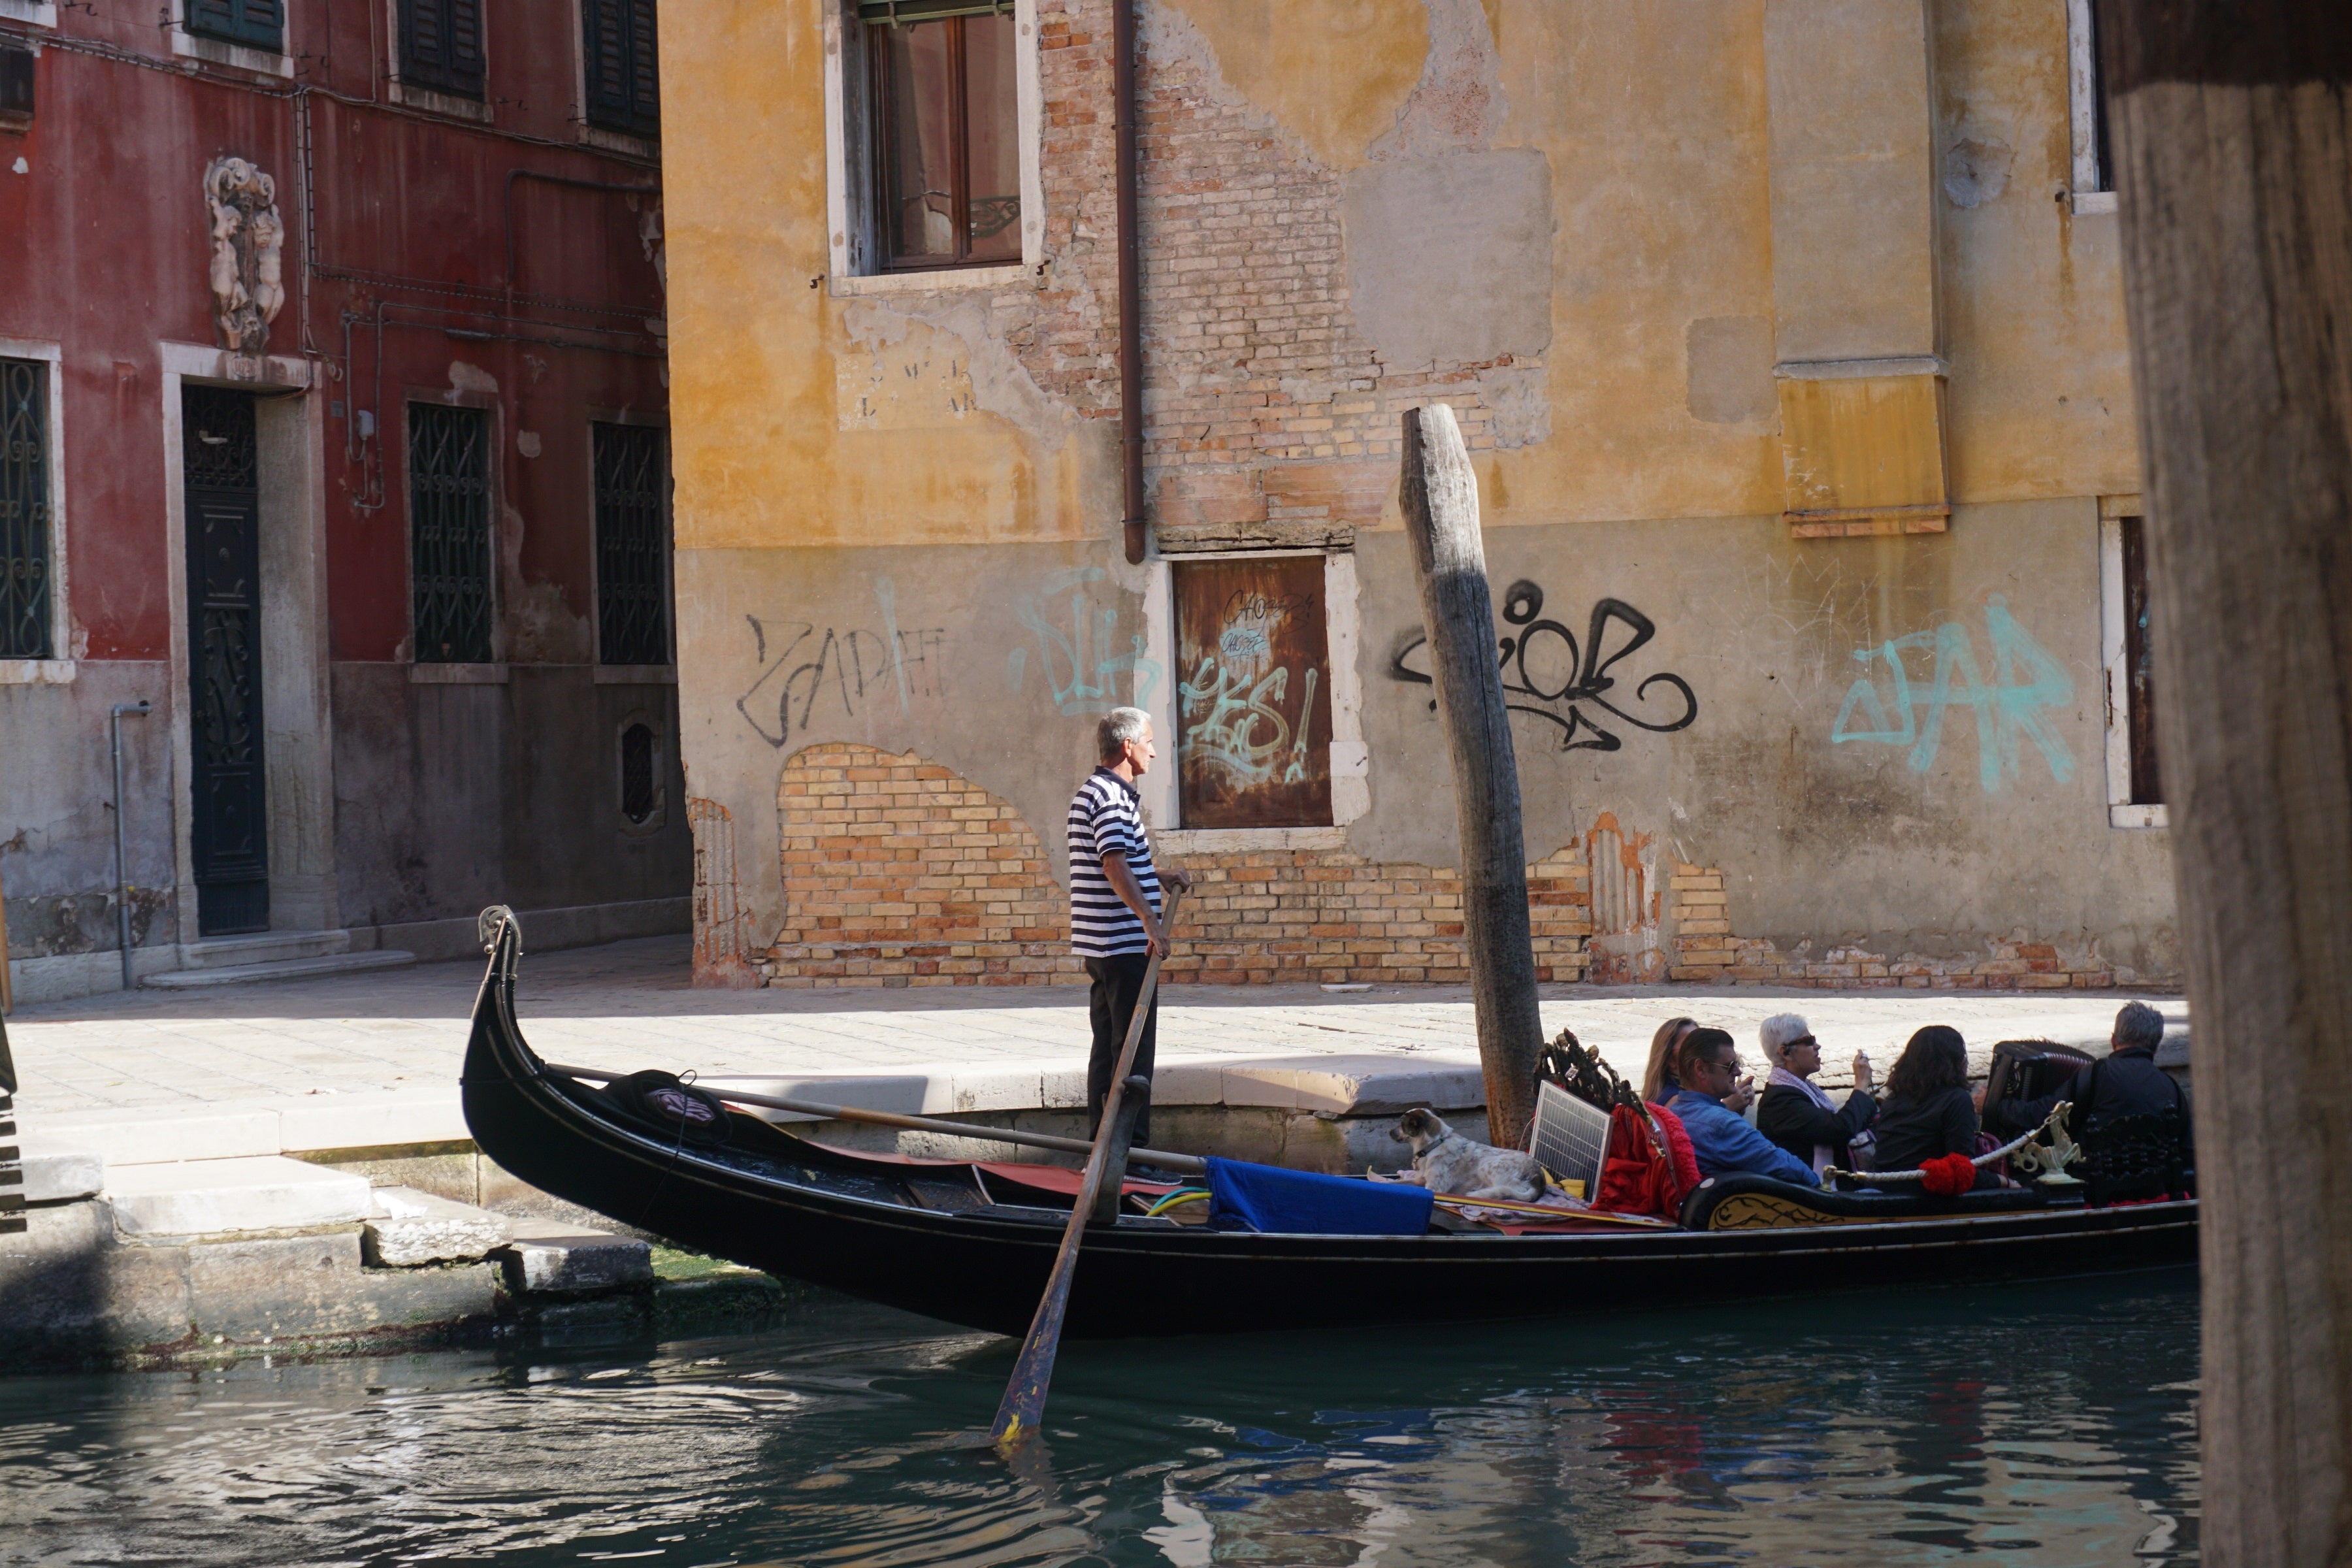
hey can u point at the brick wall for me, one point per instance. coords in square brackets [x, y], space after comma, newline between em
[897, 871]
[1266, 405]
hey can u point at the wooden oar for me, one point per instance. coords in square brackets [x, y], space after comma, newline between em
[1023, 1404]
[1189, 1164]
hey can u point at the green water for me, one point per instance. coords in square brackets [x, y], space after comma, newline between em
[2018, 1428]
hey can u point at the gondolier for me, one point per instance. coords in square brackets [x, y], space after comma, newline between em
[1114, 902]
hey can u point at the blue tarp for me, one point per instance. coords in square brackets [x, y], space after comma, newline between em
[1269, 1198]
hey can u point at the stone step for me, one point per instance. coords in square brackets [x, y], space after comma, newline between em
[549, 1255]
[288, 969]
[57, 1170]
[210, 1197]
[261, 947]
[411, 1229]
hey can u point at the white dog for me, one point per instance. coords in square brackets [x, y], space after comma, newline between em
[1446, 1161]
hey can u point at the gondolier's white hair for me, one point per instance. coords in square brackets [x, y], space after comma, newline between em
[1119, 726]
[1774, 1033]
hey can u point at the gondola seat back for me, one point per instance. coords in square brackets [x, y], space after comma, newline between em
[1742, 1201]
[2136, 1159]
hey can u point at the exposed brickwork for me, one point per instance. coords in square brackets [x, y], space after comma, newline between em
[1706, 949]
[899, 872]
[1265, 403]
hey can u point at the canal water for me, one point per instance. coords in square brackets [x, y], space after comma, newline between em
[2050, 1425]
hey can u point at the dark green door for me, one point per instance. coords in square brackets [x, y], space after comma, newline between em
[231, 841]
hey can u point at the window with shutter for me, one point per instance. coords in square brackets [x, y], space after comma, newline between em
[624, 86]
[441, 45]
[257, 24]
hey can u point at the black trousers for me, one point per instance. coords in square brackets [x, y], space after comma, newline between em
[1118, 980]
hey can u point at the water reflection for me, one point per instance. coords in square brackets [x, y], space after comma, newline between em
[2050, 1427]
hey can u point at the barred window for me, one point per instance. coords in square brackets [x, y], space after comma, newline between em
[623, 75]
[25, 535]
[259, 24]
[449, 533]
[639, 790]
[632, 545]
[945, 131]
[441, 45]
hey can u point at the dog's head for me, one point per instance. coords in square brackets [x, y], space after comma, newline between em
[1420, 1128]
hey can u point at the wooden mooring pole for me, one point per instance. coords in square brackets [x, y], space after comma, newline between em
[1440, 497]
[2231, 121]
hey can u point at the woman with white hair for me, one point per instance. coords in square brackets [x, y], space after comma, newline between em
[1798, 1116]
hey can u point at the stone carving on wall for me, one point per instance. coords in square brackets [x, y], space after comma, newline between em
[248, 268]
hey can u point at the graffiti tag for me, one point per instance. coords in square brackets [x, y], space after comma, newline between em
[1236, 725]
[1546, 676]
[2026, 680]
[1079, 665]
[856, 665]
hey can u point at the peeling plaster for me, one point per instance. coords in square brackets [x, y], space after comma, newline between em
[1458, 105]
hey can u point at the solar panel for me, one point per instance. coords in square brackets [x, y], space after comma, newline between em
[1570, 1138]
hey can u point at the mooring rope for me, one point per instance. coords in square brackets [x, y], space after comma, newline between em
[2055, 1119]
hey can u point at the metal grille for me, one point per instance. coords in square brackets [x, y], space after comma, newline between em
[449, 527]
[23, 509]
[632, 546]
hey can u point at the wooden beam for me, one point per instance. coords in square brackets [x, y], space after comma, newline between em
[1440, 497]
[2231, 121]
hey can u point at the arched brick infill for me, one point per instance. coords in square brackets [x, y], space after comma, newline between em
[897, 871]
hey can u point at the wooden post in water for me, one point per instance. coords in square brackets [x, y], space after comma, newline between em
[2231, 121]
[1440, 497]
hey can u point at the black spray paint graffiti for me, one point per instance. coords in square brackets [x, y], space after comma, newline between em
[860, 666]
[1544, 677]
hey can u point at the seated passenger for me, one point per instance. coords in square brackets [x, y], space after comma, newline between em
[1800, 1117]
[1708, 1069]
[1658, 1085]
[2126, 1083]
[1929, 1112]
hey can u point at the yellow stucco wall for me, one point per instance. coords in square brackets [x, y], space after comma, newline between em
[1654, 120]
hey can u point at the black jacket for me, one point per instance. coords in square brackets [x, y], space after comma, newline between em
[2127, 1083]
[1911, 1132]
[1790, 1118]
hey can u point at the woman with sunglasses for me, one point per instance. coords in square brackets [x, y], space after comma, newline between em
[1799, 1116]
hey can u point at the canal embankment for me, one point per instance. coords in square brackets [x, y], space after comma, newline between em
[285, 1169]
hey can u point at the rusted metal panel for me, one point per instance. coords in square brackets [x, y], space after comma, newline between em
[1254, 693]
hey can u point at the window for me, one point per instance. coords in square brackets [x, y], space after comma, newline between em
[623, 89]
[640, 793]
[945, 131]
[26, 613]
[257, 24]
[449, 529]
[2135, 783]
[2086, 90]
[441, 46]
[1252, 693]
[632, 545]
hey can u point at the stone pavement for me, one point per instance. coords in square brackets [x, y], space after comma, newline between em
[372, 1058]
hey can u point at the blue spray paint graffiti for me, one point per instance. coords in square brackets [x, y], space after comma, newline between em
[1079, 666]
[2026, 680]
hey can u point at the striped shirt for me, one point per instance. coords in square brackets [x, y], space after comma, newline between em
[1104, 820]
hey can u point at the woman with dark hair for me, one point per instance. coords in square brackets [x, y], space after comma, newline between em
[1929, 1112]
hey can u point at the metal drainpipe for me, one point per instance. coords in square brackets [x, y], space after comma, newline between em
[139, 710]
[1130, 287]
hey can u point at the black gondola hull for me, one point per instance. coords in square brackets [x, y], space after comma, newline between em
[859, 1232]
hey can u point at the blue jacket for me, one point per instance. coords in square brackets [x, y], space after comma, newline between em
[1723, 1143]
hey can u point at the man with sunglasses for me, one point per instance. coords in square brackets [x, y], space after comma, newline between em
[1709, 1069]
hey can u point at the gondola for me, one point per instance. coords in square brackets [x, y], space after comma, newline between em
[972, 1243]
